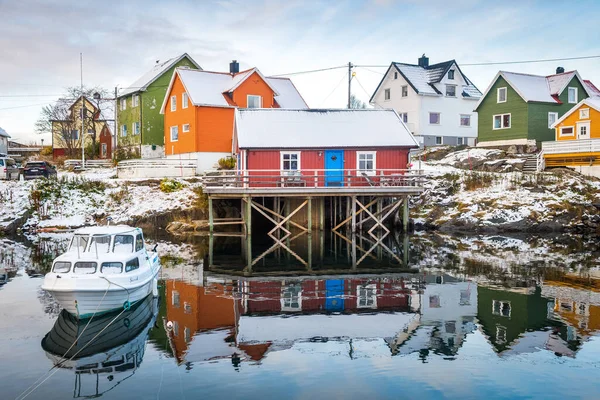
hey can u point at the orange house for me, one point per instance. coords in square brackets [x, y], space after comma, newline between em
[577, 140]
[199, 109]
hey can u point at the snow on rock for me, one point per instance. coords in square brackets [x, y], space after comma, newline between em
[471, 153]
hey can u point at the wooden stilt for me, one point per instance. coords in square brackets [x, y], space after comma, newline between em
[211, 249]
[353, 214]
[309, 212]
[405, 214]
[210, 215]
[322, 213]
[249, 216]
[405, 250]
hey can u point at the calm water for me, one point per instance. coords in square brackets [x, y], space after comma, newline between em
[428, 316]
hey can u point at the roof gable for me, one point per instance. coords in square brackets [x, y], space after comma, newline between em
[240, 78]
[3, 133]
[261, 128]
[156, 72]
[592, 102]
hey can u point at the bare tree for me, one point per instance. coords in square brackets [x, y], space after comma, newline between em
[61, 119]
[356, 103]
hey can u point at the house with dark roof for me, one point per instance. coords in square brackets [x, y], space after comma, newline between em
[199, 109]
[520, 109]
[435, 101]
[3, 141]
[140, 125]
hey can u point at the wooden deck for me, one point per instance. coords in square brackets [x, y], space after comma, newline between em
[379, 191]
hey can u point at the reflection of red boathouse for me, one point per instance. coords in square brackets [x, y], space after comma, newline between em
[206, 320]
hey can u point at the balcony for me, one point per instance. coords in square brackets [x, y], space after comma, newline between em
[575, 147]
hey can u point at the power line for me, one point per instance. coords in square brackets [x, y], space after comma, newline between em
[311, 71]
[335, 88]
[362, 87]
[29, 105]
[29, 95]
[370, 70]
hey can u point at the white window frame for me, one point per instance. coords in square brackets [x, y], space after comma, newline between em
[498, 95]
[404, 91]
[184, 100]
[369, 295]
[124, 104]
[502, 303]
[252, 96]
[135, 100]
[387, 94]
[372, 171]
[404, 117]
[124, 130]
[461, 118]
[171, 133]
[135, 131]
[441, 140]
[555, 119]
[439, 118]
[451, 72]
[104, 149]
[281, 155]
[569, 95]
[584, 113]
[173, 103]
[448, 86]
[460, 141]
[561, 134]
[175, 296]
[501, 121]
[185, 128]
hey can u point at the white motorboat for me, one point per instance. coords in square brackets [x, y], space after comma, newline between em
[105, 268]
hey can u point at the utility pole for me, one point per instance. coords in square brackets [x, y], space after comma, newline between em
[349, 81]
[116, 138]
[82, 114]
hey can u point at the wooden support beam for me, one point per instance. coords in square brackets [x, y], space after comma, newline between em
[322, 213]
[249, 216]
[353, 214]
[309, 212]
[349, 217]
[405, 214]
[210, 214]
[211, 244]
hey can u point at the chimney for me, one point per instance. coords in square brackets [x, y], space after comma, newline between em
[424, 61]
[560, 70]
[234, 67]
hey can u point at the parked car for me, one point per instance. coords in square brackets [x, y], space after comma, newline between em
[38, 169]
[8, 169]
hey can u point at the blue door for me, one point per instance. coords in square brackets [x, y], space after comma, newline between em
[334, 165]
[334, 295]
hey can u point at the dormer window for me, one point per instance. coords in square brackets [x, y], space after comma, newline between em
[501, 95]
[451, 74]
[254, 101]
[572, 95]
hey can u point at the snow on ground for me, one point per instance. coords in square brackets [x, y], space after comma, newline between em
[466, 154]
[14, 201]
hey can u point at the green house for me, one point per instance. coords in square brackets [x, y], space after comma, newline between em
[519, 109]
[140, 125]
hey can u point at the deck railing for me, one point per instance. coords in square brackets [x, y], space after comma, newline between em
[314, 178]
[572, 146]
[89, 163]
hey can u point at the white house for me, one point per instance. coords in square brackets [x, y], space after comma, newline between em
[435, 101]
[3, 141]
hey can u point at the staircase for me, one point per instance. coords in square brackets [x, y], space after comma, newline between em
[531, 164]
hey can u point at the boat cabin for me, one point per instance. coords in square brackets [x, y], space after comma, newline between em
[109, 250]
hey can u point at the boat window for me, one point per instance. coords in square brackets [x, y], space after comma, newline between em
[100, 243]
[132, 265]
[111, 268]
[139, 242]
[123, 244]
[79, 243]
[62, 267]
[85, 268]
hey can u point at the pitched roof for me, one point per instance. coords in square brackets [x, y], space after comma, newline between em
[3, 133]
[593, 91]
[593, 102]
[262, 128]
[422, 79]
[157, 70]
[206, 88]
[537, 88]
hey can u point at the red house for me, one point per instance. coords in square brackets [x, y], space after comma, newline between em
[315, 148]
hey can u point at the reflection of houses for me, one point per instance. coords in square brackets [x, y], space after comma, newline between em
[518, 320]
[3, 141]
[578, 308]
[448, 307]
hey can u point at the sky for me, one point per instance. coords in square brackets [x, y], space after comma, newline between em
[41, 42]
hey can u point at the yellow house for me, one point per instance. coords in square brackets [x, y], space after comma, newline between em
[67, 127]
[577, 138]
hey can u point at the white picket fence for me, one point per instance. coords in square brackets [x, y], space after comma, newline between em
[89, 163]
[572, 146]
[156, 168]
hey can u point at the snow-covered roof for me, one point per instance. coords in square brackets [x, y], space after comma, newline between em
[206, 88]
[3, 133]
[282, 128]
[537, 88]
[106, 230]
[593, 102]
[423, 79]
[593, 91]
[157, 70]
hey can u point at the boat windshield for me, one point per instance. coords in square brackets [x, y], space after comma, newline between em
[79, 243]
[123, 244]
[100, 243]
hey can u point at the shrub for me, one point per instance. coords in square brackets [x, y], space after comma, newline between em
[474, 181]
[169, 185]
[120, 195]
[227, 163]
[201, 201]
[46, 151]
[125, 153]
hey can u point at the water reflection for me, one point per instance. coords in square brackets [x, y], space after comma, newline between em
[103, 353]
